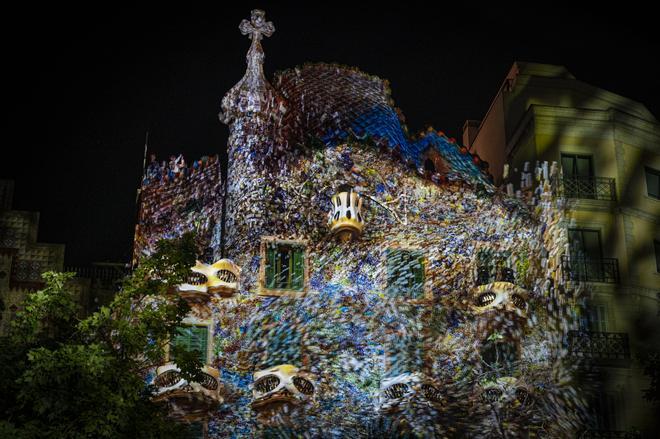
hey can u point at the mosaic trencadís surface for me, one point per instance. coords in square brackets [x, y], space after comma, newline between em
[370, 282]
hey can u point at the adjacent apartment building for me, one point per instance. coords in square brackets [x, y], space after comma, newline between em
[608, 150]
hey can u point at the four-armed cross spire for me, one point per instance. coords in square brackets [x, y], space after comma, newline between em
[257, 26]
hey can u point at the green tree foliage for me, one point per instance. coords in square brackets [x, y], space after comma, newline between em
[64, 377]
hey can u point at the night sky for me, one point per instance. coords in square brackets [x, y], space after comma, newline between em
[85, 85]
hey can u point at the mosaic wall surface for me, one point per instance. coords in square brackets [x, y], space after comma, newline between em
[176, 198]
[292, 147]
[351, 335]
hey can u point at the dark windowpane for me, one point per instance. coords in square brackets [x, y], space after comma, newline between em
[585, 243]
[567, 166]
[574, 165]
[583, 165]
[501, 356]
[653, 182]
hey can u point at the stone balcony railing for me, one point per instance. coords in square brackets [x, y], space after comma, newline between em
[600, 348]
[187, 400]
[205, 281]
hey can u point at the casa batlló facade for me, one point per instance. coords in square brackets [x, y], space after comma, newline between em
[360, 281]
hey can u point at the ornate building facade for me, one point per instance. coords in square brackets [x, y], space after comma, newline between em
[359, 281]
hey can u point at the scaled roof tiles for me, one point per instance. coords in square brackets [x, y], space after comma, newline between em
[335, 103]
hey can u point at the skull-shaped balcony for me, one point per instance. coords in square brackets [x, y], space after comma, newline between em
[187, 400]
[407, 389]
[279, 388]
[345, 219]
[499, 307]
[509, 396]
[207, 281]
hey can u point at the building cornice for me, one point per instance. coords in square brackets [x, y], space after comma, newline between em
[633, 211]
[627, 128]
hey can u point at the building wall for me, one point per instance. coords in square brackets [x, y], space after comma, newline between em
[176, 198]
[22, 258]
[548, 112]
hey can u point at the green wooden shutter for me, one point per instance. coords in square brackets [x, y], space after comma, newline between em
[298, 276]
[417, 265]
[283, 269]
[271, 257]
[405, 273]
[199, 341]
[394, 261]
[191, 338]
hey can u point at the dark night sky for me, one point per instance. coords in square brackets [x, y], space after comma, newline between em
[87, 84]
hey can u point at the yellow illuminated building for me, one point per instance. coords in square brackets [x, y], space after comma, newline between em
[608, 149]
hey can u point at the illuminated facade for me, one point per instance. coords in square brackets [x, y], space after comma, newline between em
[380, 283]
[609, 150]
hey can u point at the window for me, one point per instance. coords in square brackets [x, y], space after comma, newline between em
[656, 245]
[192, 338]
[574, 165]
[500, 356]
[653, 183]
[405, 273]
[284, 265]
[585, 243]
[598, 318]
[494, 267]
[195, 430]
[606, 406]
[578, 172]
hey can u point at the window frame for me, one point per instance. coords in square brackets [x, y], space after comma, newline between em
[209, 339]
[656, 248]
[426, 293]
[575, 157]
[263, 289]
[582, 230]
[649, 170]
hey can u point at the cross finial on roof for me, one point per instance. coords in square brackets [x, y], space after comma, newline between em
[257, 26]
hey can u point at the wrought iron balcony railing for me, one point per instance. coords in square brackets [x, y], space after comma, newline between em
[594, 188]
[602, 348]
[581, 269]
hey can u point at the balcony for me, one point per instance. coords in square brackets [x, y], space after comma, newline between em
[581, 269]
[409, 389]
[600, 348]
[189, 401]
[206, 281]
[591, 188]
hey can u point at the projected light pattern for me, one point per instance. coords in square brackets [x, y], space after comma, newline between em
[401, 329]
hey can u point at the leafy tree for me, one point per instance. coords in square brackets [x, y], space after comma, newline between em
[69, 378]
